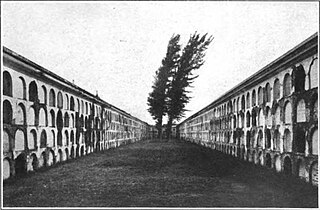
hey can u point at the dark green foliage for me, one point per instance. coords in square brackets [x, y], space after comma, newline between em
[170, 94]
[157, 98]
[183, 76]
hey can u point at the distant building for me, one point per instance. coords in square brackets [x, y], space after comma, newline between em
[173, 130]
[153, 132]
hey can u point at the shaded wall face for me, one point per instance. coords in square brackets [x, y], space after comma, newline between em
[283, 106]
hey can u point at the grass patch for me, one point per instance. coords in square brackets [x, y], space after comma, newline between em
[158, 174]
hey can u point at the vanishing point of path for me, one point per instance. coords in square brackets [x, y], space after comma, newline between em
[158, 174]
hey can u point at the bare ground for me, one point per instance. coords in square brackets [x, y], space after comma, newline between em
[158, 174]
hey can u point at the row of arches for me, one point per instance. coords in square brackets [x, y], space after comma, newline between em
[265, 94]
[302, 141]
[24, 163]
[35, 117]
[33, 162]
[266, 117]
[41, 94]
[285, 164]
[32, 140]
[22, 140]
[40, 117]
[53, 98]
[276, 161]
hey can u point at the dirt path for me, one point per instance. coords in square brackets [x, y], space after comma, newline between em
[158, 174]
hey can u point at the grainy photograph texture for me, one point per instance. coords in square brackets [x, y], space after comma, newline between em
[184, 104]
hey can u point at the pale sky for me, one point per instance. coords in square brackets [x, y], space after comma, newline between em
[116, 47]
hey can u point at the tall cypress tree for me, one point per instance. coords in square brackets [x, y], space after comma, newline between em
[183, 76]
[157, 100]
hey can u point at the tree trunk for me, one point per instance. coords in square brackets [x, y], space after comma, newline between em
[159, 127]
[169, 125]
